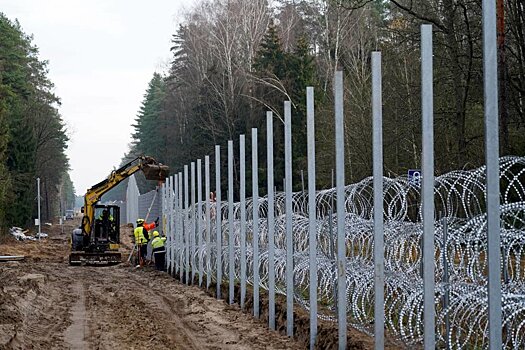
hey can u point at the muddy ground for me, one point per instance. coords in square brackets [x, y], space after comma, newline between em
[47, 304]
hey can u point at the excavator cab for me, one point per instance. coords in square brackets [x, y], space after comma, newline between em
[103, 247]
[107, 227]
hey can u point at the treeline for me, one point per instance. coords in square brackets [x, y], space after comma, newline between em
[33, 136]
[234, 60]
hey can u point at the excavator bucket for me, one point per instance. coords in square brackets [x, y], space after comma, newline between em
[157, 172]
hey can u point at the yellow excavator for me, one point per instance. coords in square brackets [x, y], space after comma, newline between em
[97, 240]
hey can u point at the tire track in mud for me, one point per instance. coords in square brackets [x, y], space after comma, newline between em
[46, 304]
[118, 307]
[210, 323]
[37, 307]
[173, 311]
[127, 314]
[75, 334]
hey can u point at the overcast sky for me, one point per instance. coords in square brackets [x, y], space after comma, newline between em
[102, 54]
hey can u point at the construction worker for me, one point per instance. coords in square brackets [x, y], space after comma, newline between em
[159, 253]
[142, 237]
[105, 215]
[106, 224]
[141, 240]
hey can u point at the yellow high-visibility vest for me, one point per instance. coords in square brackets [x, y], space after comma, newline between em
[158, 242]
[139, 235]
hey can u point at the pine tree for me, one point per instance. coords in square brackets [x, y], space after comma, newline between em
[4, 174]
[32, 134]
[20, 160]
[270, 65]
[148, 122]
[301, 71]
[271, 59]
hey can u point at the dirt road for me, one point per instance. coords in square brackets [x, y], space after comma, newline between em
[47, 304]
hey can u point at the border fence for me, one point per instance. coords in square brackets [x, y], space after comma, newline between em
[450, 276]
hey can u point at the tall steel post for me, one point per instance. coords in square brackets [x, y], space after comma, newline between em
[490, 83]
[379, 252]
[165, 192]
[165, 221]
[255, 198]
[271, 222]
[242, 193]
[174, 222]
[312, 220]
[199, 220]
[193, 224]
[208, 220]
[427, 111]
[231, 262]
[180, 221]
[187, 228]
[341, 214]
[173, 228]
[168, 216]
[289, 215]
[218, 218]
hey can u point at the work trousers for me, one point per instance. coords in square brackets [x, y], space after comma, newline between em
[143, 251]
[159, 255]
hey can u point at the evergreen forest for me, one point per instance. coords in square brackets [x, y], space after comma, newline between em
[33, 136]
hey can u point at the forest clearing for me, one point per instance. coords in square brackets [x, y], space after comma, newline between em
[47, 304]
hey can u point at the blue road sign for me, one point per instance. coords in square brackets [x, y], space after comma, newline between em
[414, 177]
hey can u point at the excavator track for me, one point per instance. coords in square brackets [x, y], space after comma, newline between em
[106, 258]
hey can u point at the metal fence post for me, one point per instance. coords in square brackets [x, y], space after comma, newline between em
[176, 229]
[170, 232]
[289, 216]
[312, 220]
[271, 222]
[242, 190]
[208, 220]
[490, 84]
[428, 186]
[255, 198]
[379, 263]
[218, 218]
[164, 213]
[171, 208]
[174, 221]
[186, 223]
[231, 264]
[341, 215]
[199, 219]
[193, 224]
[180, 221]
[167, 221]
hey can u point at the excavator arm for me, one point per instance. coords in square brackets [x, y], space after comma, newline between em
[152, 169]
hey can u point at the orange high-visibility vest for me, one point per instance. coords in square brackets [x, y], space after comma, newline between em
[148, 226]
